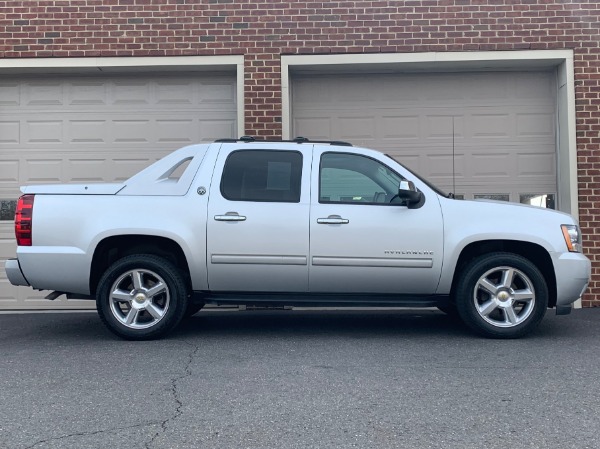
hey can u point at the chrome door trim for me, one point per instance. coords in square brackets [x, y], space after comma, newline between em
[267, 259]
[371, 262]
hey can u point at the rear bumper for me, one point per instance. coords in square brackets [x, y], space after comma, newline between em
[14, 273]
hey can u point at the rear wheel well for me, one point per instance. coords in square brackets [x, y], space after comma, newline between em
[532, 252]
[114, 248]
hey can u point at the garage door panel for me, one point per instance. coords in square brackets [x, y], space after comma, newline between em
[405, 92]
[42, 170]
[131, 131]
[85, 170]
[437, 167]
[87, 131]
[74, 133]
[441, 126]
[427, 90]
[131, 93]
[43, 131]
[481, 90]
[533, 86]
[106, 166]
[123, 168]
[307, 93]
[492, 165]
[175, 131]
[502, 125]
[79, 129]
[541, 165]
[11, 93]
[211, 130]
[120, 92]
[176, 93]
[87, 93]
[491, 126]
[213, 93]
[361, 127]
[450, 91]
[9, 172]
[318, 127]
[404, 128]
[9, 132]
[42, 94]
[535, 124]
[8, 295]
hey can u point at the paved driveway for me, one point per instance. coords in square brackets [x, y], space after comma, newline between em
[299, 379]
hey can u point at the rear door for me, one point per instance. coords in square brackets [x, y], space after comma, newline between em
[258, 213]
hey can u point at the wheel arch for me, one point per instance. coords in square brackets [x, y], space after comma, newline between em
[533, 252]
[116, 247]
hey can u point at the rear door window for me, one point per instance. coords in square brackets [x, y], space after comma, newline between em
[262, 175]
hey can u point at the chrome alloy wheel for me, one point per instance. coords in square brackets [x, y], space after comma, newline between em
[139, 299]
[504, 296]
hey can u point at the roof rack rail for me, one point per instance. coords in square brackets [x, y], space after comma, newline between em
[298, 139]
[233, 140]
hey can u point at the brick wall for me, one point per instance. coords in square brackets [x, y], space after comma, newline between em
[262, 30]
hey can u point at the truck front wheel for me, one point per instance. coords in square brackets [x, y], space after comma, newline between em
[501, 295]
[141, 297]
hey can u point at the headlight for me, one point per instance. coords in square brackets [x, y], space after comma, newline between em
[572, 236]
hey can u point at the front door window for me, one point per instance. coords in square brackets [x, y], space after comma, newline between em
[351, 179]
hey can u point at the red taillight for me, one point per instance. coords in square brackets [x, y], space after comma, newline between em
[23, 218]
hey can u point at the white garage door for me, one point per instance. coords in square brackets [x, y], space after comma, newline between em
[503, 126]
[94, 129]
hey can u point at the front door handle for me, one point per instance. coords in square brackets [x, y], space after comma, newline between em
[333, 219]
[230, 216]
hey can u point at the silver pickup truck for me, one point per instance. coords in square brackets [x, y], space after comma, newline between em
[292, 223]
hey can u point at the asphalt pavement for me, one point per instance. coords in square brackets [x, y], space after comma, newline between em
[299, 379]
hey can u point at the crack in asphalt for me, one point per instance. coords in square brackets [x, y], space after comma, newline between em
[187, 372]
[95, 432]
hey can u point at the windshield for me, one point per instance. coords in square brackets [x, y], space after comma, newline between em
[429, 184]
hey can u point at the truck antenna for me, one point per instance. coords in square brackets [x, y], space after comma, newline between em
[453, 162]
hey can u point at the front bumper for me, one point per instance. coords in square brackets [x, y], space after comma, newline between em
[573, 271]
[14, 273]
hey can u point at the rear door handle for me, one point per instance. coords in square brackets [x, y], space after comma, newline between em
[230, 216]
[333, 219]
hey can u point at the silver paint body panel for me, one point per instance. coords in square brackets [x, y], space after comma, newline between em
[355, 256]
[274, 235]
[304, 247]
[14, 274]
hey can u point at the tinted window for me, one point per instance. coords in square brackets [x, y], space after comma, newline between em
[262, 176]
[351, 178]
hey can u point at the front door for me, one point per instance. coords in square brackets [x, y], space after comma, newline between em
[257, 231]
[362, 240]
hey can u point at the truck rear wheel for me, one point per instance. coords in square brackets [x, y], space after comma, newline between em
[501, 295]
[141, 297]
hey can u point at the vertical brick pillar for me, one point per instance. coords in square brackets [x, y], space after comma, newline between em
[587, 90]
[262, 86]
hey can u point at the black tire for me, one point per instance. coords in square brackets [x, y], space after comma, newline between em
[501, 295]
[149, 310]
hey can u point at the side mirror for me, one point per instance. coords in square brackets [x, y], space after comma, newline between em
[408, 193]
